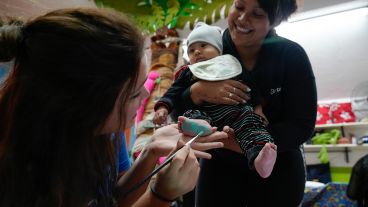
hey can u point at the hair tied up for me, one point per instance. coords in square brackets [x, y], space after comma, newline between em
[10, 40]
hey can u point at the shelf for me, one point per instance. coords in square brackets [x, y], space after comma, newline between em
[357, 124]
[358, 129]
[340, 155]
[337, 147]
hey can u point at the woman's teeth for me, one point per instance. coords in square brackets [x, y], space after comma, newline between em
[244, 30]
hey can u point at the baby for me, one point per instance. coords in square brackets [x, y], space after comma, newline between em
[208, 63]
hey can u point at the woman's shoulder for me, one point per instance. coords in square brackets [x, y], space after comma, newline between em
[292, 54]
[283, 44]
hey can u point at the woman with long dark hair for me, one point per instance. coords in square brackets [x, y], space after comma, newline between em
[78, 77]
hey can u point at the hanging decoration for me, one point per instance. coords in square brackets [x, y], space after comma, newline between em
[151, 15]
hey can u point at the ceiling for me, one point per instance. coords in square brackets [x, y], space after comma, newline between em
[214, 11]
[210, 11]
[318, 4]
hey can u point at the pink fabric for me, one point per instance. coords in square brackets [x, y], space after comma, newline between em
[150, 85]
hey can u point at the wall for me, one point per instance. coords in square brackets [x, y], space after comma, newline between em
[336, 44]
[317, 4]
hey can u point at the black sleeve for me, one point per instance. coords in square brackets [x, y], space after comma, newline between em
[172, 96]
[299, 101]
[185, 103]
[256, 98]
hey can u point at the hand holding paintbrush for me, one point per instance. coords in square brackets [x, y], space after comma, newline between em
[166, 162]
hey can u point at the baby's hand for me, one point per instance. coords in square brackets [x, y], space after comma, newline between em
[160, 116]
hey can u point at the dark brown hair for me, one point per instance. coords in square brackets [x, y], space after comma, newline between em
[70, 66]
[278, 10]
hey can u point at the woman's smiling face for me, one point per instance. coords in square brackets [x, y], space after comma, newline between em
[248, 23]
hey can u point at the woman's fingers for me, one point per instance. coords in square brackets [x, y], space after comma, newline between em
[191, 169]
[180, 176]
[212, 137]
[204, 155]
[185, 162]
[180, 157]
[206, 146]
[168, 138]
[184, 159]
[201, 144]
[231, 142]
[239, 91]
[234, 92]
[208, 142]
[191, 164]
[232, 99]
[220, 92]
[239, 85]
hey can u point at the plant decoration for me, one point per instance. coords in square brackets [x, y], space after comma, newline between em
[165, 13]
[151, 15]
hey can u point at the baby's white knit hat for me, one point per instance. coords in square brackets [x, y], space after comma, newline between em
[203, 32]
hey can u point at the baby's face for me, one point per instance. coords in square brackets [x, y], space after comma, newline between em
[201, 51]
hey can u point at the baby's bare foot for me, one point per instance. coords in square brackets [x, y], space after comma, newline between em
[265, 160]
[192, 127]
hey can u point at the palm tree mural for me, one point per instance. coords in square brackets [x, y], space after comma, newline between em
[151, 15]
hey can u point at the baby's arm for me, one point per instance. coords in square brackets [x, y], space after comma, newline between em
[170, 99]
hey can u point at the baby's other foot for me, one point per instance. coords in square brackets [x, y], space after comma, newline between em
[265, 160]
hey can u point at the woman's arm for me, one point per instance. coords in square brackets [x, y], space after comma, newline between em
[217, 92]
[299, 102]
[140, 168]
[148, 199]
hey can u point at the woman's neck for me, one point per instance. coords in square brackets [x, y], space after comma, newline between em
[248, 56]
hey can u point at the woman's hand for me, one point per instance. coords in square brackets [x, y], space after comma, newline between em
[168, 138]
[229, 92]
[180, 176]
[202, 144]
[176, 179]
[164, 140]
[231, 143]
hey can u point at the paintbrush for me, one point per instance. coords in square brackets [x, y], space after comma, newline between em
[155, 171]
